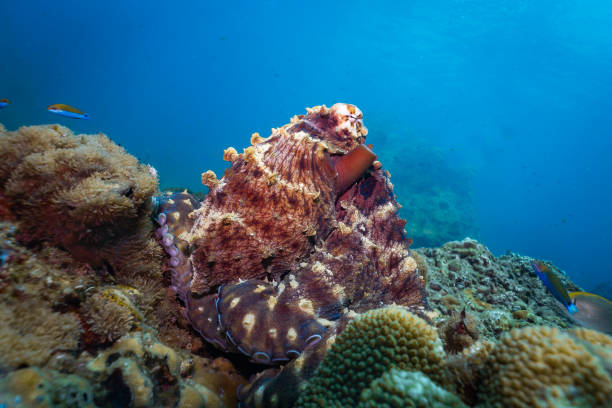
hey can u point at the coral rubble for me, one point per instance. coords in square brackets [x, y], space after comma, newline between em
[498, 293]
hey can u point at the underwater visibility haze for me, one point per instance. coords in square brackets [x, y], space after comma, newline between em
[493, 118]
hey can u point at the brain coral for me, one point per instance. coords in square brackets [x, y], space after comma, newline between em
[81, 192]
[543, 366]
[398, 389]
[369, 346]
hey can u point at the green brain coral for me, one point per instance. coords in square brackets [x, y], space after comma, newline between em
[368, 347]
[397, 389]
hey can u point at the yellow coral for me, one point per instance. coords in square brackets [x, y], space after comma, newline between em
[370, 345]
[147, 366]
[40, 388]
[542, 366]
[194, 395]
[111, 313]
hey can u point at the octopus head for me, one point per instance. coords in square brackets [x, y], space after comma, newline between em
[349, 121]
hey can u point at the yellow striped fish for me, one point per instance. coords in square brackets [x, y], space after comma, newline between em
[554, 285]
[67, 110]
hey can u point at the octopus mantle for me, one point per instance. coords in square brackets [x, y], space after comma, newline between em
[301, 229]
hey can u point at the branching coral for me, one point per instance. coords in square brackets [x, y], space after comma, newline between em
[370, 345]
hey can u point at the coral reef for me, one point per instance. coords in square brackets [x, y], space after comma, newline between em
[499, 293]
[82, 193]
[279, 388]
[31, 333]
[297, 258]
[542, 367]
[137, 371]
[371, 344]
[34, 292]
[279, 250]
[150, 373]
[111, 313]
[465, 369]
[397, 389]
[43, 388]
[81, 269]
[533, 366]
[459, 332]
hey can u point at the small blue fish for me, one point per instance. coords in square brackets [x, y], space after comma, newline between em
[67, 110]
[4, 103]
[554, 285]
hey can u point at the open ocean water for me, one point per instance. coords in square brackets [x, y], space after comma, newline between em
[493, 117]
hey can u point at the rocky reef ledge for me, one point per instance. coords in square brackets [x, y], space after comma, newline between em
[111, 293]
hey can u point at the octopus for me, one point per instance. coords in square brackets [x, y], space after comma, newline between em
[301, 230]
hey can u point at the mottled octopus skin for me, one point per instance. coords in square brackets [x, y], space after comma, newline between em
[275, 202]
[363, 264]
[274, 257]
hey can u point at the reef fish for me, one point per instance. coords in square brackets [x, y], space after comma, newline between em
[67, 110]
[594, 311]
[4, 103]
[554, 285]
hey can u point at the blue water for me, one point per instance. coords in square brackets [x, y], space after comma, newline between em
[512, 98]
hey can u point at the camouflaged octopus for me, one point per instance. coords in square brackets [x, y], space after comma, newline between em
[301, 229]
